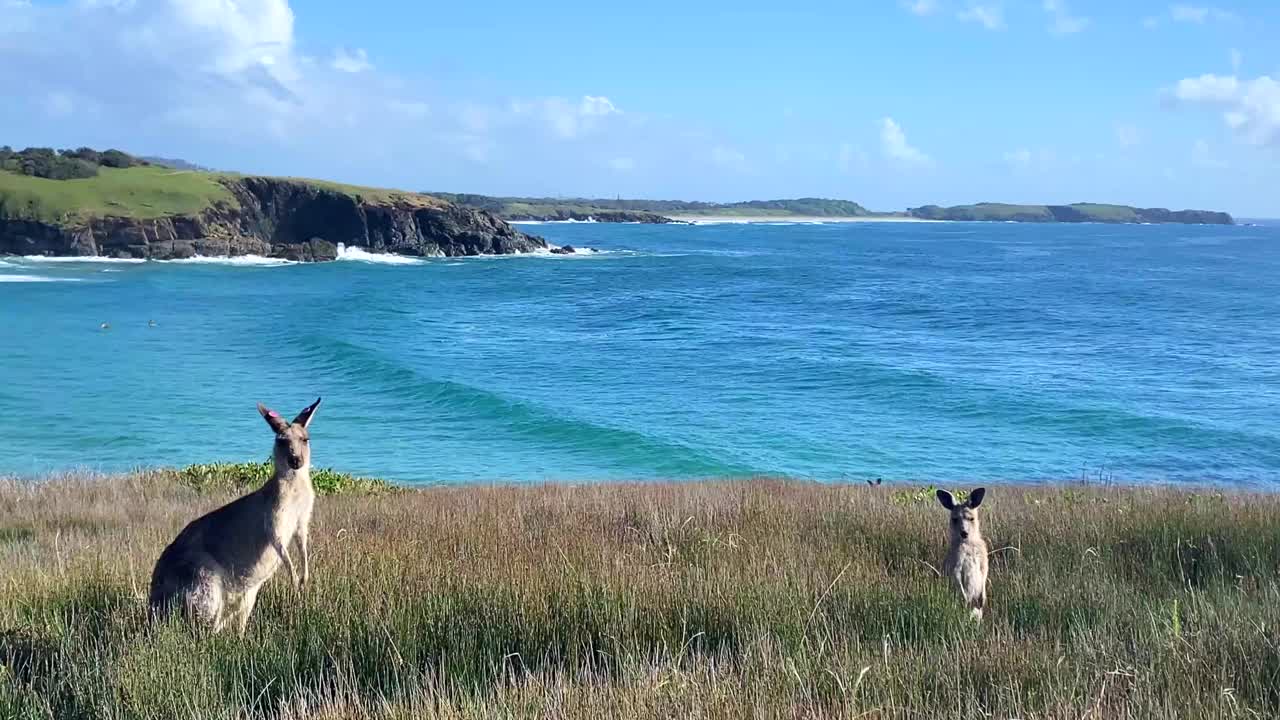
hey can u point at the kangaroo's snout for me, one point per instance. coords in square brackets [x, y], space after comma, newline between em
[295, 462]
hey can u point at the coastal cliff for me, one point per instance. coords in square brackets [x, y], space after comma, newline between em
[274, 217]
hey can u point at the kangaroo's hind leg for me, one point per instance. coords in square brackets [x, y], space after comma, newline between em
[205, 600]
[244, 608]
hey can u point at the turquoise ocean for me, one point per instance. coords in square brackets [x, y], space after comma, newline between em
[948, 352]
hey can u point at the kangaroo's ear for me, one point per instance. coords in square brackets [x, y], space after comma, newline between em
[273, 418]
[975, 497]
[304, 417]
[947, 500]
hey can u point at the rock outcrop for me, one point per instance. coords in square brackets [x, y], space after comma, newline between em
[291, 219]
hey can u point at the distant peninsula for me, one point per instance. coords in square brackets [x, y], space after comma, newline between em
[520, 209]
[111, 204]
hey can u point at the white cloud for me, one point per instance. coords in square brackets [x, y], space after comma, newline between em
[351, 62]
[990, 17]
[921, 7]
[1198, 14]
[894, 145]
[1128, 135]
[565, 119]
[1249, 107]
[1208, 89]
[1062, 22]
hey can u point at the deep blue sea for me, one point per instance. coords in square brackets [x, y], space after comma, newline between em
[931, 352]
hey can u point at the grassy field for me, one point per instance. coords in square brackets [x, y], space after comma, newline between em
[141, 192]
[147, 192]
[699, 600]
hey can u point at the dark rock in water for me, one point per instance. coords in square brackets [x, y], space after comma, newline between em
[273, 217]
[564, 250]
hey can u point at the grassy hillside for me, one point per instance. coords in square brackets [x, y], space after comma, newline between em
[138, 192]
[1079, 212]
[525, 208]
[150, 191]
[750, 599]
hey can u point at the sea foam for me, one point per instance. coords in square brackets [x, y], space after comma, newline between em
[235, 261]
[359, 254]
[34, 279]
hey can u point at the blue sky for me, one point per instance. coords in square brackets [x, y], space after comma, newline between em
[890, 103]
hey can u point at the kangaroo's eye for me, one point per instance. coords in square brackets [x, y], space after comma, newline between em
[306, 441]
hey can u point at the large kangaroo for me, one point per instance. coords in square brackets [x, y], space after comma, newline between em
[966, 561]
[212, 571]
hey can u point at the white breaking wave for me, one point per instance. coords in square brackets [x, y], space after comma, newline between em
[34, 279]
[81, 259]
[359, 254]
[236, 260]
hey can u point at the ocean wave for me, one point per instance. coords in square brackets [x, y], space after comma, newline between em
[233, 260]
[80, 259]
[34, 279]
[487, 412]
[359, 254]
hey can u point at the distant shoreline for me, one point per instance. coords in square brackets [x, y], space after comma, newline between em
[771, 219]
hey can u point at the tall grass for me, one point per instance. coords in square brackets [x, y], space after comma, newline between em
[745, 599]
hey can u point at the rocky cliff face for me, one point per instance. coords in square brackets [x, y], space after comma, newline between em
[280, 218]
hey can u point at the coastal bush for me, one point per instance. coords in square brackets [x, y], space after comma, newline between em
[729, 599]
[63, 164]
[241, 477]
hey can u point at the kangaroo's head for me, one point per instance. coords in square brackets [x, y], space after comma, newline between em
[964, 516]
[293, 443]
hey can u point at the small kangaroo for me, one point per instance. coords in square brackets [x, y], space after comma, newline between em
[212, 571]
[966, 561]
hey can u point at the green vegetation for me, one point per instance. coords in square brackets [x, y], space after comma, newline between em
[136, 192]
[75, 185]
[516, 208]
[747, 599]
[242, 477]
[1079, 212]
[62, 164]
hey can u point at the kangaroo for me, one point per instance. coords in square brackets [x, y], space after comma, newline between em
[212, 571]
[966, 561]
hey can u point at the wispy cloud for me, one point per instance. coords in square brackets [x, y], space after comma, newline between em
[351, 61]
[922, 8]
[729, 159]
[1128, 135]
[1203, 156]
[894, 145]
[1061, 21]
[1199, 14]
[990, 17]
[850, 158]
